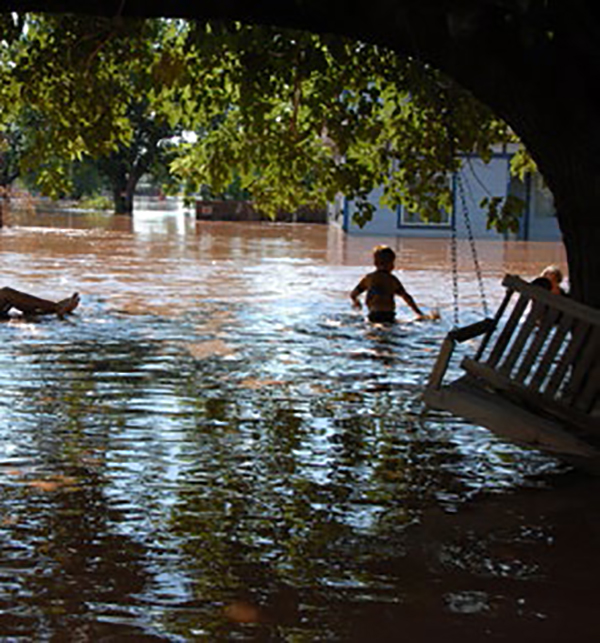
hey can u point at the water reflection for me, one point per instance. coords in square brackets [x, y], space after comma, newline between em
[216, 447]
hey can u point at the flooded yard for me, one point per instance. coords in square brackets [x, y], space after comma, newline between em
[217, 447]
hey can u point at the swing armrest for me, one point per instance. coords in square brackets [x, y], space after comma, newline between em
[459, 335]
[472, 330]
[441, 365]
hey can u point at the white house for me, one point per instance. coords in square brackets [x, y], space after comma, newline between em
[477, 180]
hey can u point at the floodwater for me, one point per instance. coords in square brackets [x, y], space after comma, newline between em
[216, 447]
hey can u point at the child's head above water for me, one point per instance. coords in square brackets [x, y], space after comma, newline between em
[384, 257]
[553, 273]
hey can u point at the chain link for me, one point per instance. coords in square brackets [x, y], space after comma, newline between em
[454, 258]
[471, 239]
[458, 185]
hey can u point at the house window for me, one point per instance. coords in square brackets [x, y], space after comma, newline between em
[541, 199]
[407, 218]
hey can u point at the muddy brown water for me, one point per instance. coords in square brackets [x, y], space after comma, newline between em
[216, 447]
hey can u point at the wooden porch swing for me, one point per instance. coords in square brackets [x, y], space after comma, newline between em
[535, 377]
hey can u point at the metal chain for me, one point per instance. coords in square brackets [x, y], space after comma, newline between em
[454, 242]
[471, 239]
[453, 239]
[454, 258]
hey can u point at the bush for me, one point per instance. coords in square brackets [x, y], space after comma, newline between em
[97, 202]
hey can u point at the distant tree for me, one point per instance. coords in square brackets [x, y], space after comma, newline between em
[10, 137]
[146, 152]
[11, 146]
[86, 179]
[90, 83]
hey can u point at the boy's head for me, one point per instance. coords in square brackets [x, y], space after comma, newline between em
[384, 258]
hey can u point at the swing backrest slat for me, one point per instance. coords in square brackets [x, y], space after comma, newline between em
[546, 353]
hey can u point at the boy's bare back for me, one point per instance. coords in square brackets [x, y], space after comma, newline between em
[381, 288]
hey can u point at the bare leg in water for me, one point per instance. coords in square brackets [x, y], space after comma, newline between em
[31, 305]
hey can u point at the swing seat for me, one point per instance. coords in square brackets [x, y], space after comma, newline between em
[535, 377]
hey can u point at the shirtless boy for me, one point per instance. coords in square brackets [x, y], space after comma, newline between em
[381, 287]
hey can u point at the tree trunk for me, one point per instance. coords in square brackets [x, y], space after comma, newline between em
[3, 203]
[123, 198]
[542, 91]
[572, 171]
[124, 185]
[581, 236]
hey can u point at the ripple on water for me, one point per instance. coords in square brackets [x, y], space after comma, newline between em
[254, 460]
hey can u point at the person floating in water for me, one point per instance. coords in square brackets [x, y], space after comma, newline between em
[381, 287]
[31, 305]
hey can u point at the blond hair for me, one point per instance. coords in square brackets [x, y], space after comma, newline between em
[553, 270]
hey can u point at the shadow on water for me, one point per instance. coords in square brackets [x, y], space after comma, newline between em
[216, 448]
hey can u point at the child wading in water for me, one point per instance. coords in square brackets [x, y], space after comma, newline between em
[381, 287]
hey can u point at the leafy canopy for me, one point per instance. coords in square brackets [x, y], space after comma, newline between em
[294, 117]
